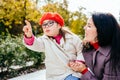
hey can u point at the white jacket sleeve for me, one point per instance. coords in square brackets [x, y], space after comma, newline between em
[38, 45]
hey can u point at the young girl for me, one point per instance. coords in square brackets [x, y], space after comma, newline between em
[60, 46]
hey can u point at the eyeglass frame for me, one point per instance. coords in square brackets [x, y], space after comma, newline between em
[50, 23]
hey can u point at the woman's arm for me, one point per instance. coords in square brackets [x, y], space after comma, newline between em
[87, 74]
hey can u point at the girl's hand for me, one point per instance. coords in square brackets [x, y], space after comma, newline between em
[27, 29]
[77, 66]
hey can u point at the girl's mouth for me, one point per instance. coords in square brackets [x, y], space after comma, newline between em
[47, 31]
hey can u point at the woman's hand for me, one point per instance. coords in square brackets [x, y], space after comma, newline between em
[27, 29]
[77, 66]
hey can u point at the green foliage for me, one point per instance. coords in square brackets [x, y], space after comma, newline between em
[14, 12]
[78, 22]
[13, 52]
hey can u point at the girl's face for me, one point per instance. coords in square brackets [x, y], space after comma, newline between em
[50, 28]
[90, 31]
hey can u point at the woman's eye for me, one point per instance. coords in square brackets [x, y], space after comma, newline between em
[89, 26]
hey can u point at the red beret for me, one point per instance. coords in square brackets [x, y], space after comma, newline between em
[52, 16]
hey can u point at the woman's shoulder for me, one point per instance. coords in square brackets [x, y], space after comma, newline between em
[105, 50]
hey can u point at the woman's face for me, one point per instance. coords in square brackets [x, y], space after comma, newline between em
[50, 28]
[90, 31]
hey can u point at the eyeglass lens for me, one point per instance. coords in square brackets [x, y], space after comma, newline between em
[48, 24]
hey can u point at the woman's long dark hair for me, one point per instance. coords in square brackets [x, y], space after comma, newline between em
[109, 34]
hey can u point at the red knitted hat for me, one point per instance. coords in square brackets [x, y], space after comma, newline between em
[52, 16]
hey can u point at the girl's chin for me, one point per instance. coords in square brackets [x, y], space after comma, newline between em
[48, 35]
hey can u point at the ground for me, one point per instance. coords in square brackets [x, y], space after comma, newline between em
[6, 75]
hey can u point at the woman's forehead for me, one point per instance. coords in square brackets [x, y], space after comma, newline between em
[89, 20]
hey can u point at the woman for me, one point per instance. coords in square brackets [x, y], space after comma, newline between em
[59, 45]
[101, 49]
